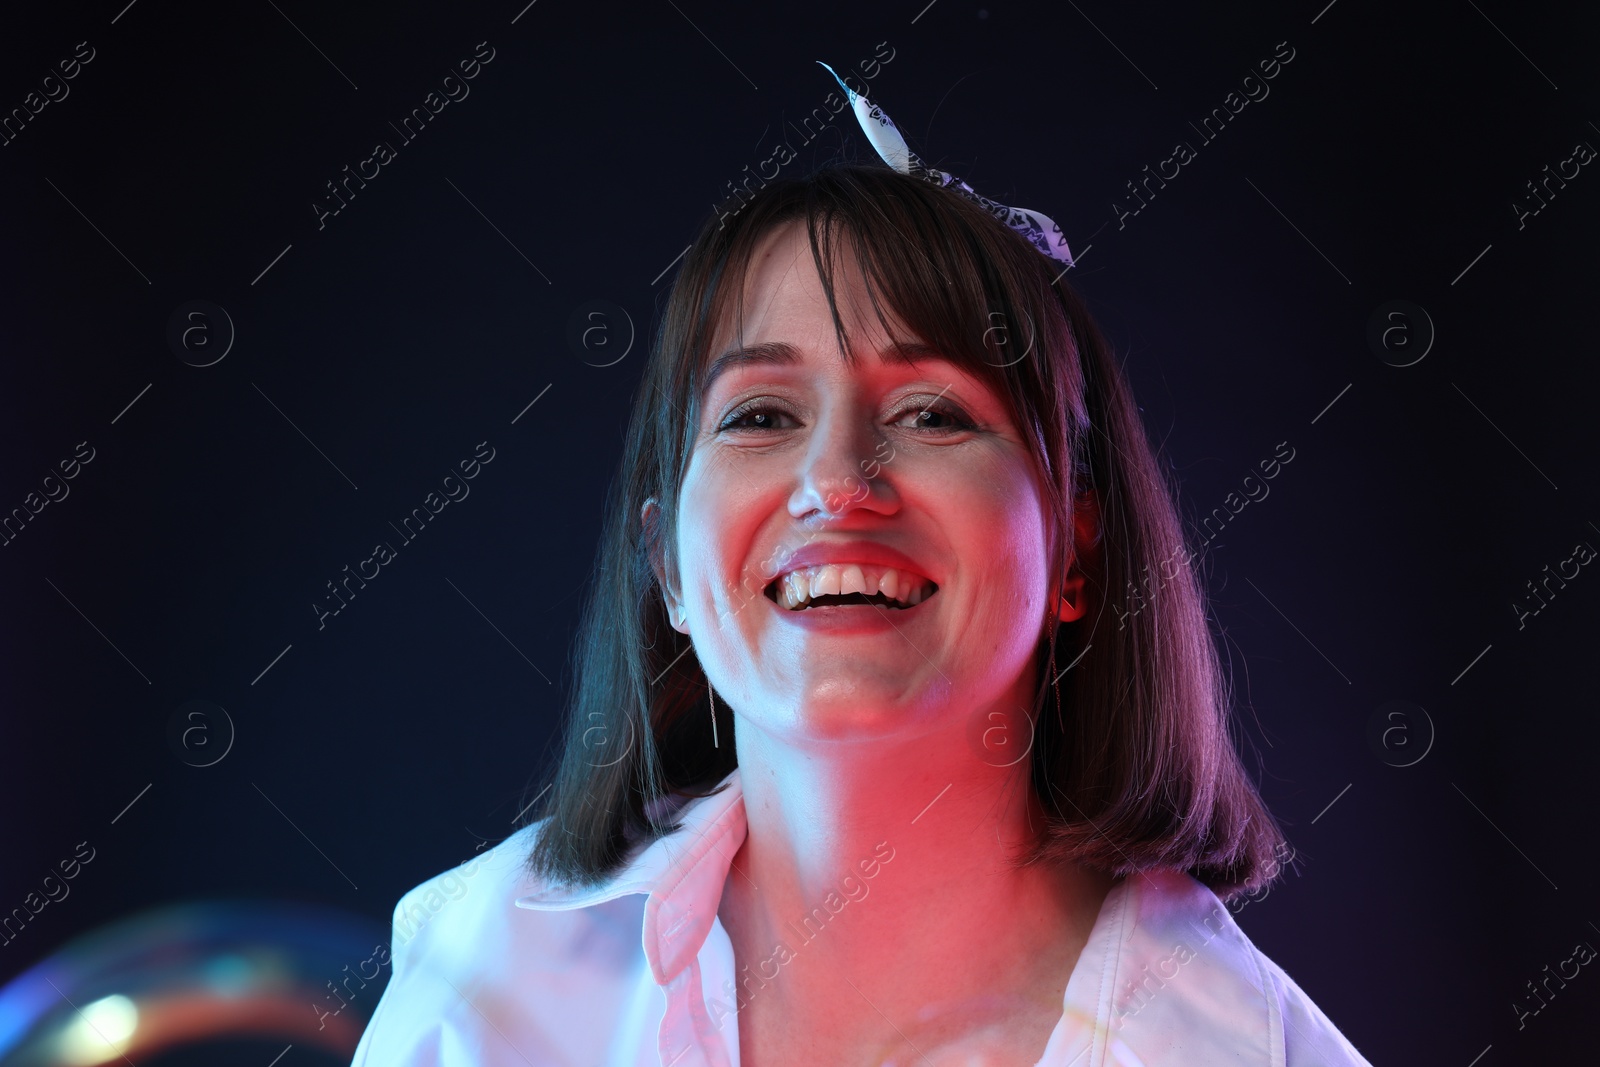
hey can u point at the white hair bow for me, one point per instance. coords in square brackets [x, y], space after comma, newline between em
[1040, 231]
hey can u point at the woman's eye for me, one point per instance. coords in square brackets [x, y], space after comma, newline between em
[753, 417]
[928, 418]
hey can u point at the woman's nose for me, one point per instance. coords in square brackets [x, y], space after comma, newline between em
[843, 467]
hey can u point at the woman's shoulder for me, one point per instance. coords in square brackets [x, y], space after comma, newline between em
[498, 888]
[1184, 975]
[471, 969]
[498, 904]
[467, 895]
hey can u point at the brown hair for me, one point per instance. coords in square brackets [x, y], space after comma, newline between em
[1137, 769]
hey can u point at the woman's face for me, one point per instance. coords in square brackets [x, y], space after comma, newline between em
[799, 459]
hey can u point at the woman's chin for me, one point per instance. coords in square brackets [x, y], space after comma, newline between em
[855, 712]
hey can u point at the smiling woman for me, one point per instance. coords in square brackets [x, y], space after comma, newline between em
[853, 537]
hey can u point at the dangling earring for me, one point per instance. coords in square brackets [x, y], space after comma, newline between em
[1050, 667]
[711, 695]
[1066, 611]
[1056, 682]
[1055, 679]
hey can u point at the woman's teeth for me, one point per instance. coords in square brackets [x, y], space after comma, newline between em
[797, 589]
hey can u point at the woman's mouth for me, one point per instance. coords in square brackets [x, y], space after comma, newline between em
[849, 584]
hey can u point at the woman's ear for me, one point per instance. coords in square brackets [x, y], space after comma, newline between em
[1072, 601]
[649, 520]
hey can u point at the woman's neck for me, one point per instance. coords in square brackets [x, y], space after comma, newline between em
[877, 880]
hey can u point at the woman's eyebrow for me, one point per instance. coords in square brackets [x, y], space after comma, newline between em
[782, 354]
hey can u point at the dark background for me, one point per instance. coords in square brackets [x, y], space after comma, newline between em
[378, 351]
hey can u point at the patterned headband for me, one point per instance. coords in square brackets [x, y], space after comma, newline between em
[1042, 233]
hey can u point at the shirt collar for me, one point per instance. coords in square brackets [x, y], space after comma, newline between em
[682, 873]
[1127, 975]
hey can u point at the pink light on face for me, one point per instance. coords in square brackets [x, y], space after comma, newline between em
[853, 551]
[900, 458]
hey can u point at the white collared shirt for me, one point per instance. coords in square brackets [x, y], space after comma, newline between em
[493, 968]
